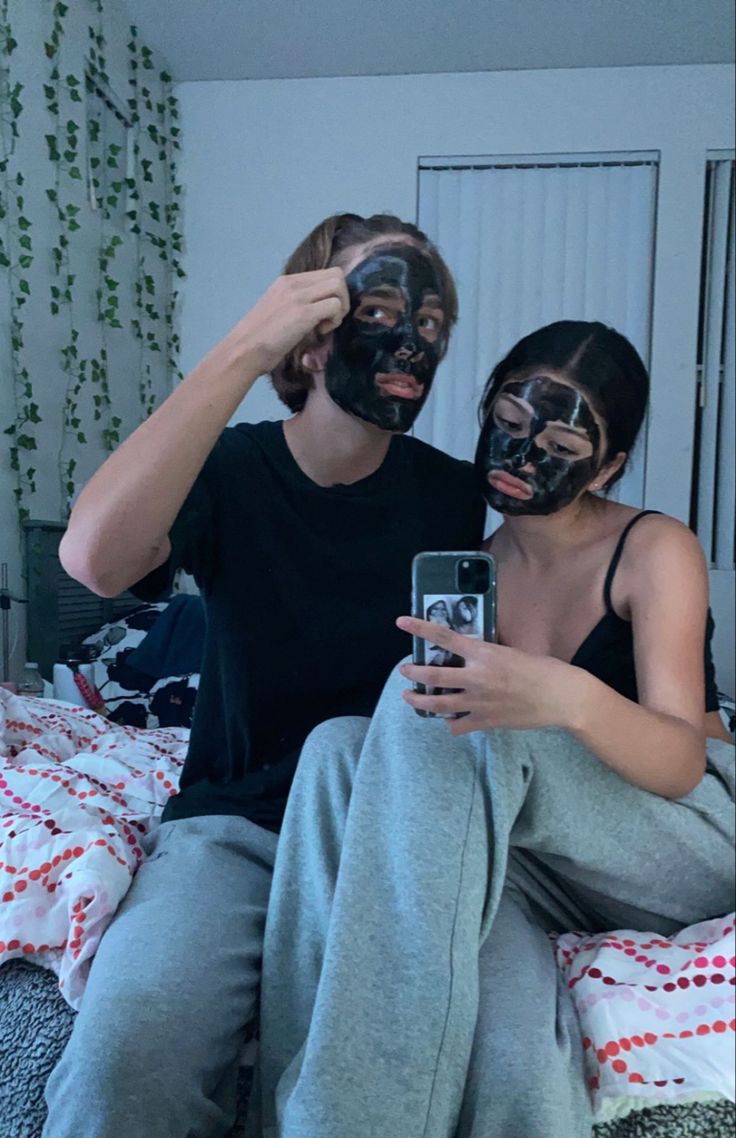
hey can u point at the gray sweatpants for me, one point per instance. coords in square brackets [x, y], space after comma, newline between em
[409, 989]
[155, 1046]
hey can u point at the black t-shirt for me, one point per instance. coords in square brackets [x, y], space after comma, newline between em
[301, 586]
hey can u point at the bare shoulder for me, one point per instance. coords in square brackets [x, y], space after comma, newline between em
[660, 549]
[658, 535]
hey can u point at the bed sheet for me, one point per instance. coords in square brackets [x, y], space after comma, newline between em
[78, 795]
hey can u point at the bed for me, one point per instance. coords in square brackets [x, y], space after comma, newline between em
[79, 790]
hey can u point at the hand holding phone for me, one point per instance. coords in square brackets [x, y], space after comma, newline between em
[456, 591]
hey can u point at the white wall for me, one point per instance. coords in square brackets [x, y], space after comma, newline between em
[77, 409]
[263, 161]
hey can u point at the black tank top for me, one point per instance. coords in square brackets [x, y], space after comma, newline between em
[608, 650]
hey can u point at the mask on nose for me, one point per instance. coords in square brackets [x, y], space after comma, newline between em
[538, 449]
[386, 351]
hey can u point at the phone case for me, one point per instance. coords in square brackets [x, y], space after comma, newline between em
[438, 596]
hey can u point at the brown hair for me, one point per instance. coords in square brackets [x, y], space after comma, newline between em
[327, 245]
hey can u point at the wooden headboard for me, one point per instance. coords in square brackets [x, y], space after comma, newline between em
[60, 610]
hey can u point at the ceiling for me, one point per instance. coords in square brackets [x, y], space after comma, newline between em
[293, 39]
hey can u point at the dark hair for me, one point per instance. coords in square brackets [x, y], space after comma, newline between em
[328, 244]
[597, 359]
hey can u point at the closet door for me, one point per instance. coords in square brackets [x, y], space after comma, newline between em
[713, 503]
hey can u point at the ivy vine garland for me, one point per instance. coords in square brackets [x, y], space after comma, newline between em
[16, 257]
[89, 171]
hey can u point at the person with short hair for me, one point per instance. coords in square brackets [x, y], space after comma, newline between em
[300, 535]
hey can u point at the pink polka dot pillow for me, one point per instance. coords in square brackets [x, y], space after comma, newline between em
[657, 1013]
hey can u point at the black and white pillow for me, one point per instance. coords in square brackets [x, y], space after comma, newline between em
[131, 696]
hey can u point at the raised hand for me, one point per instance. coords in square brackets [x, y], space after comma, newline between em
[501, 687]
[292, 307]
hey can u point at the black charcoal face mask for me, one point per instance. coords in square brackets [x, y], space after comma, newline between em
[538, 449]
[387, 349]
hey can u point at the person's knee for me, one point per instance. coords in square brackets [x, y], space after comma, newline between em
[332, 746]
[116, 1060]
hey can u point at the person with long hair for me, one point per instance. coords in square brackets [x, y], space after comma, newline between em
[410, 986]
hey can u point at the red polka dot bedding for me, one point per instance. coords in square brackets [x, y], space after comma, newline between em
[78, 793]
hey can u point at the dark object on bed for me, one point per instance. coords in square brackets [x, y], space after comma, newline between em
[152, 684]
[35, 1023]
[60, 610]
[175, 643]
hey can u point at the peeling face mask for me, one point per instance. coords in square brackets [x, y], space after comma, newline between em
[387, 349]
[538, 449]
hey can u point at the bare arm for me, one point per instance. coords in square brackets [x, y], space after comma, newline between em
[118, 530]
[657, 744]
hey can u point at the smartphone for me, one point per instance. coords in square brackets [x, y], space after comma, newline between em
[457, 590]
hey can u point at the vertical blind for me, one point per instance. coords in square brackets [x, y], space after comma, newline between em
[531, 241]
[714, 492]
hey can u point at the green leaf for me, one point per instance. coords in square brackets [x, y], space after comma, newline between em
[25, 242]
[74, 172]
[27, 442]
[25, 261]
[24, 287]
[24, 223]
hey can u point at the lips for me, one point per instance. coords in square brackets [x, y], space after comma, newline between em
[399, 385]
[510, 485]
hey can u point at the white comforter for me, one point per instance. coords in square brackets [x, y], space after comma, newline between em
[77, 794]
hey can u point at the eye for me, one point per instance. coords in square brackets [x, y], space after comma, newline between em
[371, 312]
[430, 323]
[563, 452]
[509, 425]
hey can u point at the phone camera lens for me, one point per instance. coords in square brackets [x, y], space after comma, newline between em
[473, 576]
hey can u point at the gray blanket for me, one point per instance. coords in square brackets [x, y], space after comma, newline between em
[35, 1023]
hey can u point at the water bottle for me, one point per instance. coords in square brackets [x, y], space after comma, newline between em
[74, 679]
[32, 681]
